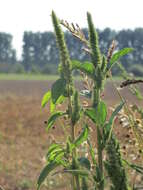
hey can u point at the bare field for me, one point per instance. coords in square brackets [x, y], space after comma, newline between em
[23, 140]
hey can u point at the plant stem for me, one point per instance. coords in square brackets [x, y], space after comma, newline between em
[75, 178]
[99, 150]
[96, 100]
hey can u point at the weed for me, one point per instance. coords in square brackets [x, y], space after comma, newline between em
[87, 170]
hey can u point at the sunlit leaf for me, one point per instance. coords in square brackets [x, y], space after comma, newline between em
[52, 106]
[45, 99]
[52, 149]
[59, 101]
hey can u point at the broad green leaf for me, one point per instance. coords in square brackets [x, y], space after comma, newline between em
[84, 162]
[53, 118]
[85, 67]
[45, 99]
[45, 172]
[58, 89]
[97, 115]
[82, 137]
[117, 56]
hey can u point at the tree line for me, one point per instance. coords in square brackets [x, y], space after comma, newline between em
[40, 53]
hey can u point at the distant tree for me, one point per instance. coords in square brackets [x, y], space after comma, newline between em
[7, 53]
[75, 48]
[137, 43]
[105, 37]
[28, 50]
[40, 51]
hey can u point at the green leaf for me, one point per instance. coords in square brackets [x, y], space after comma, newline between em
[117, 56]
[54, 147]
[92, 152]
[91, 114]
[57, 156]
[52, 106]
[56, 153]
[58, 89]
[59, 101]
[82, 137]
[78, 172]
[69, 146]
[97, 115]
[84, 183]
[45, 99]
[84, 162]
[45, 172]
[135, 91]
[85, 67]
[101, 113]
[135, 167]
[53, 118]
[114, 113]
[98, 178]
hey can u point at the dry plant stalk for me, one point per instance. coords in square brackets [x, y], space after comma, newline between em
[87, 83]
[75, 31]
[111, 50]
[129, 82]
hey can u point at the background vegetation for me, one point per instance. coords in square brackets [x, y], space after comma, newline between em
[40, 54]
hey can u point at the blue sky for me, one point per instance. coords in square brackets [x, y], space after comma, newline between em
[16, 16]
